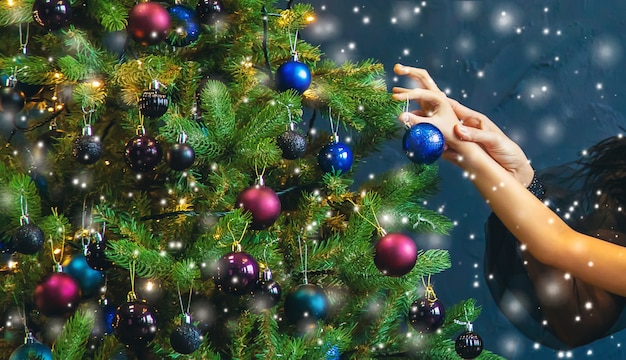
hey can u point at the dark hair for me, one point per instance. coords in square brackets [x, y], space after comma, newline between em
[603, 168]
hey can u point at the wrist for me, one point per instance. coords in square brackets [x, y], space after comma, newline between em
[525, 174]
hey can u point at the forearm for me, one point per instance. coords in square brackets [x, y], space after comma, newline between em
[523, 214]
[541, 231]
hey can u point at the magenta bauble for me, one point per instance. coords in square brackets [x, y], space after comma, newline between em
[395, 254]
[262, 203]
[148, 23]
[57, 294]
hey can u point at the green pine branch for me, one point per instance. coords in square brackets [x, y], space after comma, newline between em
[71, 343]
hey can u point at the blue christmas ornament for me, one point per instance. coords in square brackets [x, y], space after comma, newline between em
[335, 156]
[104, 314]
[31, 349]
[293, 75]
[423, 143]
[333, 353]
[89, 280]
[185, 27]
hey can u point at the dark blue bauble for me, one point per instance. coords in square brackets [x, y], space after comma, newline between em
[96, 255]
[186, 338]
[27, 239]
[89, 280]
[265, 295]
[12, 100]
[32, 349]
[423, 143]
[185, 25]
[209, 11]
[426, 316]
[293, 75]
[469, 345]
[116, 42]
[180, 156]
[305, 305]
[335, 156]
[103, 324]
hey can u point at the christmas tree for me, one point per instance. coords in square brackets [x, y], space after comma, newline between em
[177, 180]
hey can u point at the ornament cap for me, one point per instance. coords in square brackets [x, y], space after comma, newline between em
[57, 268]
[11, 81]
[131, 296]
[182, 138]
[185, 319]
[141, 130]
[87, 130]
[29, 338]
[266, 275]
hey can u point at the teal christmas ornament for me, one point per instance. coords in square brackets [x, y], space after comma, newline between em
[305, 305]
[31, 349]
[89, 280]
[335, 157]
[423, 143]
[293, 75]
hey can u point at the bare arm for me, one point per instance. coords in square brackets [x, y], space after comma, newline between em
[545, 235]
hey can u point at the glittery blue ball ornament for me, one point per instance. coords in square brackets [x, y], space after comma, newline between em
[423, 143]
[89, 280]
[293, 75]
[335, 157]
[32, 349]
[333, 353]
[185, 25]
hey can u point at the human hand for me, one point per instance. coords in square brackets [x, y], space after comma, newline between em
[473, 126]
[437, 110]
[478, 128]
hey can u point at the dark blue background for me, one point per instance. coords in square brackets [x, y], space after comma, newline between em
[550, 73]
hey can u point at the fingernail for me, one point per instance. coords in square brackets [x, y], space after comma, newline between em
[405, 117]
